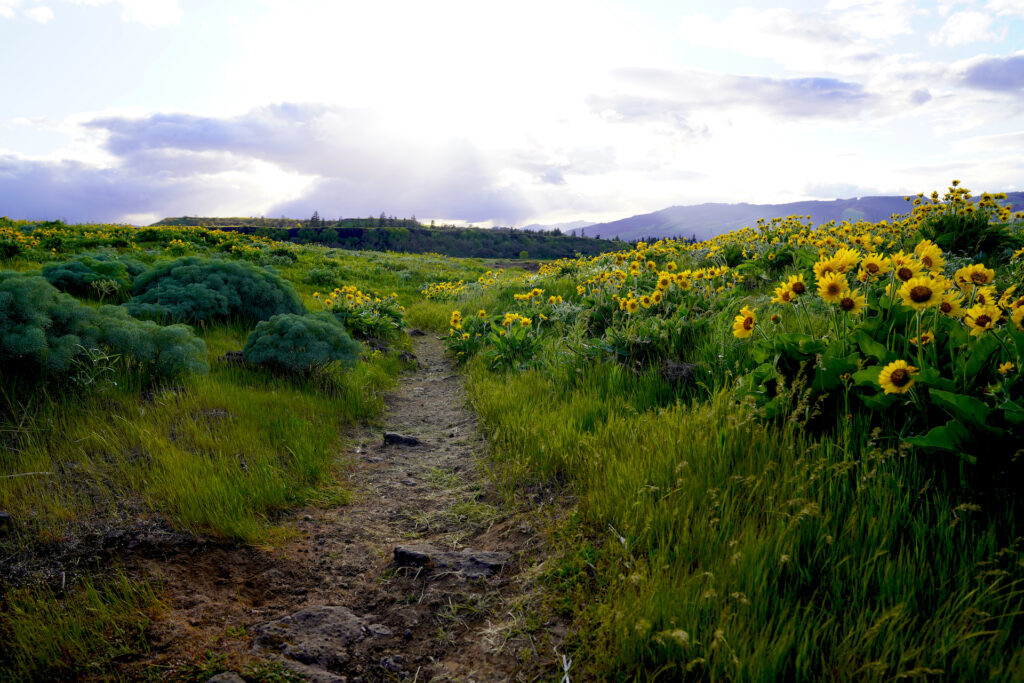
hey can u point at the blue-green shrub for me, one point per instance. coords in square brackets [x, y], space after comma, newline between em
[95, 275]
[195, 290]
[43, 332]
[300, 343]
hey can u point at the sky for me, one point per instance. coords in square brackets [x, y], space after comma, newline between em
[498, 113]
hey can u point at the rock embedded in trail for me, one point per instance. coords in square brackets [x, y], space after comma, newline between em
[472, 564]
[392, 438]
[316, 637]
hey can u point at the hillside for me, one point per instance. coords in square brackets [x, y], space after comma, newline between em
[409, 236]
[707, 220]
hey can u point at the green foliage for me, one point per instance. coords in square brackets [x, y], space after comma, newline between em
[95, 275]
[198, 290]
[43, 333]
[49, 637]
[299, 343]
[970, 234]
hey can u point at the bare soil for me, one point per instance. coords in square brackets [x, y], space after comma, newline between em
[429, 621]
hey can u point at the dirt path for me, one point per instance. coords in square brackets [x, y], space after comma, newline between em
[421, 577]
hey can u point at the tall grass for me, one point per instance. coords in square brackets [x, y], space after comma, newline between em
[75, 635]
[709, 545]
[215, 454]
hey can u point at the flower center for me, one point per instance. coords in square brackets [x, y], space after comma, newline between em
[920, 294]
[748, 323]
[978, 278]
[982, 320]
[798, 288]
[872, 267]
[945, 307]
[904, 273]
[899, 377]
[847, 304]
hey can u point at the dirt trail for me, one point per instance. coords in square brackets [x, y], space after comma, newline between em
[335, 605]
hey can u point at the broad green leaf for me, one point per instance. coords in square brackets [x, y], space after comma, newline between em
[949, 437]
[873, 348]
[978, 354]
[964, 408]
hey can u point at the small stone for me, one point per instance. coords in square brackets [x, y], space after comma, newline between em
[379, 630]
[407, 634]
[6, 520]
[409, 482]
[392, 438]
[417, 333]
[307, 518]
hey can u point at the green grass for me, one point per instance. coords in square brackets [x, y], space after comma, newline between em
[78, 634]
[714, 546]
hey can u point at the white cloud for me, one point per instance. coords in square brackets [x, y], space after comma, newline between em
[794, 39]
[41, 14]
[7, 8]
[146, 12]
[964, 28]
[1004, 7]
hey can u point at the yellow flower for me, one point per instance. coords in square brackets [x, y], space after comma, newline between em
[316, 295]
[832, 287]
[1018, 318]
[465, 336]
[743, 325]
[797, 285]
[985, 296]
[897, 377]
[664, 280]
[632, 306]
[1006, 367]
[980, 319]
[976, 274]
[783, 295]
[920, 293]
[930, 255]
[874, 265]
[645, 301]
[671, 265]
[851, 302]
[481, 313]
[950, 305]
[927, 337]
[328, 302]
[905, 266]
[525, 322]
[656, 297]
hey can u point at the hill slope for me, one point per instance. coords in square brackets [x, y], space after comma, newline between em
[707, 220]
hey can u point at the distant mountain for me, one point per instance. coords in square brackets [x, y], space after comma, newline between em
[571, 227]
[707, 220]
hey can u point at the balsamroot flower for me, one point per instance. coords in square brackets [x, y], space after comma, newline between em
[897, 377]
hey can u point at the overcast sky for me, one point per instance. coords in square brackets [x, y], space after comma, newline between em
[498, 113]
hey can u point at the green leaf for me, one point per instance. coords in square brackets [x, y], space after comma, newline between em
[1013, 412]
[879, 401]
[979, 353]
[948, 437]
[873, 348]
[965, 409]
[867, 376]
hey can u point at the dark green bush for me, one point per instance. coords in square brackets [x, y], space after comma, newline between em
[299, 343]
[194, 289]
[96, 275]
[44, 333]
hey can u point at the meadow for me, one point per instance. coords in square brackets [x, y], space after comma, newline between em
[788, 453]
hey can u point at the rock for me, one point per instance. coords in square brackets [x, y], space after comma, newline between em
[6, 521]
[316, 637]
[226, 677]
[409, 482]
[409, 358]
[379, 630]
[417, 333]
[391, 438]
[472, 564]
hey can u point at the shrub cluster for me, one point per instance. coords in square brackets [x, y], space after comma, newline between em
[299, 343]
[44, 333]
[195, 290]
[96, 275]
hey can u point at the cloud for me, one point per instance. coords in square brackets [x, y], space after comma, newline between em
[41, 14]
[848, 36]
[999, 74]
[684, 92]
[289, 158]
[1006, 7]
[964, 28]
[7, 8]
[146, 12]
